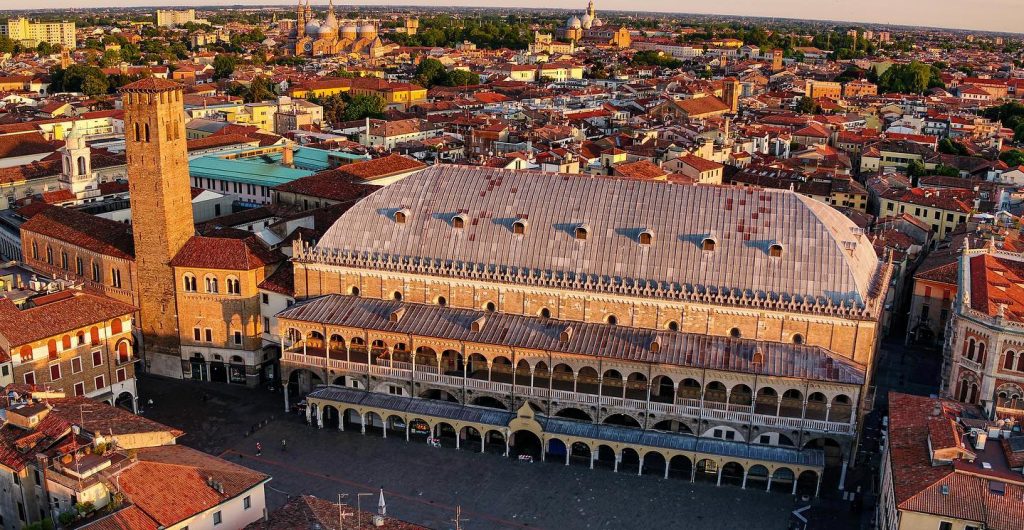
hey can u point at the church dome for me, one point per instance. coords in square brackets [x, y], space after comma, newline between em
[597, 22]
[312, 28]
[349, 30]
[367, 30]
[587, 21]
[573, 22]
[331, 21]
[327, 31]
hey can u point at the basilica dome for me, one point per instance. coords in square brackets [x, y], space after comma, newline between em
[573, 22]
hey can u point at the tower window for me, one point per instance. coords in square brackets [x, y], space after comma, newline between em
[775, 251]
[147, 132]
[138, 137]
[708, 245]
[190, 283]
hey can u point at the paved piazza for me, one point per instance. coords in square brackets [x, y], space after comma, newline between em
[424, 484]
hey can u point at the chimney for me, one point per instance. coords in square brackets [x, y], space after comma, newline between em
[288, 156]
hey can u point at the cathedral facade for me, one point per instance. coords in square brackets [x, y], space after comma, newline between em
[592, 29]
[312, 37]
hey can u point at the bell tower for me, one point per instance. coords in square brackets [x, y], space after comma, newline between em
[161, 200]
[77, 174]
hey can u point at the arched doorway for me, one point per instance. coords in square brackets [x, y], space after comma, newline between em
[680, 467]
[472, 440]
[621, 419]
[654, 464]
[556, 451]
[807, 483]
[126, 401]
[782, 480]
[330, 417]
[580, 453]
[440, 395]
[605, 457]
[629, 461]
[489, 402]
[525, 442]
[707, 471]
[732, 474]
[757, 477]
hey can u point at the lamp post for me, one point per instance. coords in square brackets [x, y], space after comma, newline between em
[359, 510]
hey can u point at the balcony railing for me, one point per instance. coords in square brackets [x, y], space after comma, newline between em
[681, 407]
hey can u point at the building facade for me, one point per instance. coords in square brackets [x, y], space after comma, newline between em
[32, 33]
[518, 301]
[984, 347]
[161, 204]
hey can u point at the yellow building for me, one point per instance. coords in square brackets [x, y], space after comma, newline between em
[32, 33]
[823, 89]
[941, 209]
[393, 93]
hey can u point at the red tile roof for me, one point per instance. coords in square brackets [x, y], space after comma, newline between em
[169, 483]
[378, 168]
[23, 326]
[226, 253]
[128, 518]
[996, 281]
[151, 84]
[80, 229]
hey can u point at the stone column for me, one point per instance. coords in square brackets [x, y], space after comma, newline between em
[286, 407]
[617, 458]
[506, 445]
[795, 476]
[568, 453]
[407, 431]
[667, 460]
[592, 456]
[744, 486]
[769, 487]
[719, 483]
[483, 442]
[362, 423]
[640, 468]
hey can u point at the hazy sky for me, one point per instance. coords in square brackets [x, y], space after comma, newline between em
[991, 15]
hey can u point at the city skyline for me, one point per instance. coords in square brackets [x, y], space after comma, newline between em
[967, 15]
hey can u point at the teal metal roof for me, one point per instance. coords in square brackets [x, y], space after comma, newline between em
[261, 170]
[266, 169]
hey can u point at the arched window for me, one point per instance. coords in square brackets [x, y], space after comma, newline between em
[646, 237]
[442, 301]
[397, 296]
[51, 348]
[81, 338]
[612, 320]
[672, 325]
[581, 232]
[735, 333]
[708, 245]
[401, 216]
[775, 251]
[458, 222]
[49, 254]
[1020, 362]
[94, 335]
[147, 132]
[969, 353]
[545, 313]
[519, 227]
[189, 282]
[1008, 360]
[124, 353]
[26, 354]
[798, 338]
[116, 326]
[354, 291]
[81, 165]
[138, 137]
[65, 342]
[981, 353]
[490, 307]
[211, 284]
[35, 250]
[234, 287]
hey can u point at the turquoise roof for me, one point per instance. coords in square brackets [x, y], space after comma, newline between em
[264, 170]
[260, 171]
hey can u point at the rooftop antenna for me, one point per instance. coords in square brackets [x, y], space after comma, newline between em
[458, 520]
[341, 514]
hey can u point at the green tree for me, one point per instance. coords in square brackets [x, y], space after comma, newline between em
[1018, 134]
[363, 106]
[807, 105]
[915, 169]
[430, 72]
[950, 147]
[130, 53]
[45, 48]
[6, 45]
[1013, 157]
[224, 66]
[95, 85]
[460, 78]
[74, 78]
[946, 171]
[259, 89]
[912, 78]
[110, 58]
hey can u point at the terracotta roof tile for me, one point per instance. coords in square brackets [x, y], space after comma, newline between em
[80, 309]
[77, 228]
[226, 253]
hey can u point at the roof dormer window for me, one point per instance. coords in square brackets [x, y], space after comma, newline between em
[646, 237]
[519, 227]
[775, 251]
[581, 232]
[707, 245]
[459, 221]
[401, 216]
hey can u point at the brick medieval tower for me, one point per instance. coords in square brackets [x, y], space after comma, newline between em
[161, 201]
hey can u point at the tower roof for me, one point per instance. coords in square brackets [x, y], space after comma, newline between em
[151, 84]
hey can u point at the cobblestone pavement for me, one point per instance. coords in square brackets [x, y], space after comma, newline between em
[424, 484]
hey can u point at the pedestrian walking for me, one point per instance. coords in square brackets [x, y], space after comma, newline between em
[259, 449]
[284, 445]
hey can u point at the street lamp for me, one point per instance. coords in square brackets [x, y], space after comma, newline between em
[359, 510]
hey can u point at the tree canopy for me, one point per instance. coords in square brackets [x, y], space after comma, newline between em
[912, 78]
